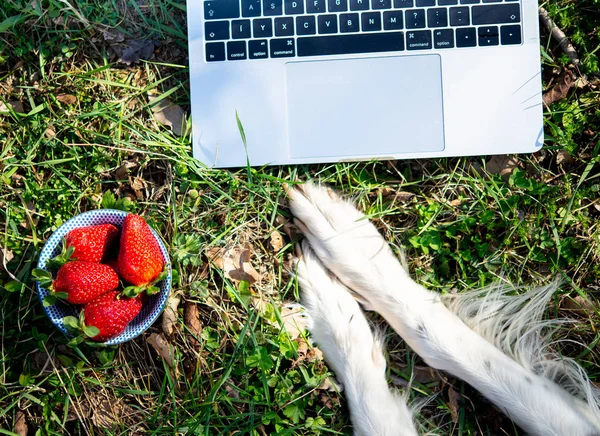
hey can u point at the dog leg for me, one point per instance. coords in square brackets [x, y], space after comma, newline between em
[352, 248]
[341, 331]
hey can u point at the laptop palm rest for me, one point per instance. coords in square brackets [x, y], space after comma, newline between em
[374, 107]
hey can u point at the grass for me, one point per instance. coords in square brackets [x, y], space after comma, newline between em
[85, 137]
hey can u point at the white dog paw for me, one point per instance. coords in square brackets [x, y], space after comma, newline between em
[344, 239]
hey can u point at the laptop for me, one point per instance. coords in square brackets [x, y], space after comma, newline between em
[315, 81]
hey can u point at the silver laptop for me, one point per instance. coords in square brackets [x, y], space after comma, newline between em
[316, 81]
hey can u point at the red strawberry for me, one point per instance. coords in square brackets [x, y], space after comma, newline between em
[111, 314]
[82, 282]
[140, 259]
[92, 243]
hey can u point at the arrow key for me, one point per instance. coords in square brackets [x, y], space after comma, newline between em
[216, 30]
[510, 35]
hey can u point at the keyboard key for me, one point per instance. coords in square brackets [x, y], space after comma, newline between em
[370, 21]
[422, 3]
[219, 9]
[251, 8]
[381, 4]
[443, 38]
[284, 26]
[283, 48]
[459, 16]
[240, 29]
[272, 7]
[469, 2]
[338, 5]
[510, 35]
[306, 25]
[492, 1]
[215, 51]
[257, 49]
[437, 17]
[349, 44]
[315, 6]
[466, 37]
[349, 23]
[496, 14]
[293, 7]
[415, 18]
[392, 20]
[447, 2]
[327, 24]
[216, 30]
[418, 40]
[400, 4]
[359, 5]
[488, 35]
[262, 28]
[236, 50]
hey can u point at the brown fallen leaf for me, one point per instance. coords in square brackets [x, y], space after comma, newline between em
[16, 106]
[5, 255]
[294, 319]
[561, 88]
[502, 164]
[420, 374]
[235, 263]
[66, 98]
[135, 50]
[169, 316]
[578, 305]
[168, 114]
[163, 348]
[20, 426]
[453, 398]
[191, 317]
[288, 228]
[276, 241]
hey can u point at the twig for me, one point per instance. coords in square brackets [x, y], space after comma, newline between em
[559, 36]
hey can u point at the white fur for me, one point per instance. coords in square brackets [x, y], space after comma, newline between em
[502, 350]
[343, 334]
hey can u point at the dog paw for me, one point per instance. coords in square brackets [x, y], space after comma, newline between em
[344, 239]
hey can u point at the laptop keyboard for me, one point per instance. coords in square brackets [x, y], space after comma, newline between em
[262, 29]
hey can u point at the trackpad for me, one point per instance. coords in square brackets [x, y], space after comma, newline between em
[375, 107]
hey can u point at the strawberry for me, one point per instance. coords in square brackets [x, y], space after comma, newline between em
[92, 243]
[140, 259]
[79, 282]
[110, 313]
[87, 244]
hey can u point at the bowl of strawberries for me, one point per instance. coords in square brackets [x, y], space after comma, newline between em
[104, 275]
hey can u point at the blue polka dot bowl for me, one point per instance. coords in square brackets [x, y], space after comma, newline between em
[153, 305]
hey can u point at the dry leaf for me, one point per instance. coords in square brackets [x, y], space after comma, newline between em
[561, 88]
[455, 203]
[5, 255]
[235, 263]
[276, 241]
[66, 98]
[420, 374]
[330, 384]
[191, 317]
[579, 305]
[564, 157]
[502, 164]
[294, 319]
[50, 132]
[453, 398]
[163, 348]
[168, 114]
[122, 172]
[288, 228]
[136, 50]
[16, 106]
[169, 317]
[113, 36]
[20, 426]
